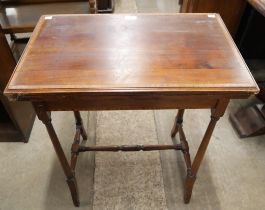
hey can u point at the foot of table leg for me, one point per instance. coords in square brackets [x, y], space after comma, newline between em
[189, 182]
[79, 124]
[45, 117]
[178, 121]
[72, 184]
[191, 175]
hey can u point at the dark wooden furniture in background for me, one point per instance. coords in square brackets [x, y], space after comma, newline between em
[259, 5]
[105, 6]
[20, 16]
[230, 10]
[16, 118]
[251, 34]
[250, 39]
[194, 65]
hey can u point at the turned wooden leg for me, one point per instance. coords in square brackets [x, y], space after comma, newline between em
[178, 122]
[185, 150]
[191, 176]
[79, 125]
[45, 117]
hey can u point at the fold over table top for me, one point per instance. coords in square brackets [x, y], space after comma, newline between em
[103, 54]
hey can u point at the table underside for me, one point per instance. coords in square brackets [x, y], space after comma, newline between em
[217, 105]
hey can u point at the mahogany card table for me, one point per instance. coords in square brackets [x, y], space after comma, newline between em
[130, 62]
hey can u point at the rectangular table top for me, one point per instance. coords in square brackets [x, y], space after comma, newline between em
[122, 53]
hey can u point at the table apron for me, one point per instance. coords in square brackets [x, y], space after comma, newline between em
[132, 103]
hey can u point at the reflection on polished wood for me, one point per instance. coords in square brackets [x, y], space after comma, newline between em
[190, 62]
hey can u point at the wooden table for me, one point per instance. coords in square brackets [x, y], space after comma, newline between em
[169, 61]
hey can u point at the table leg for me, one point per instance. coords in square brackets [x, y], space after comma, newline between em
[79, 124]
[191, 177]
[45, 117]
[178, 122]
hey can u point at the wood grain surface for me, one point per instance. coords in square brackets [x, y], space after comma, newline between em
[90, 54]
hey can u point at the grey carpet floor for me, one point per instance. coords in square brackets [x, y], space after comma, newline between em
[129, 180]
